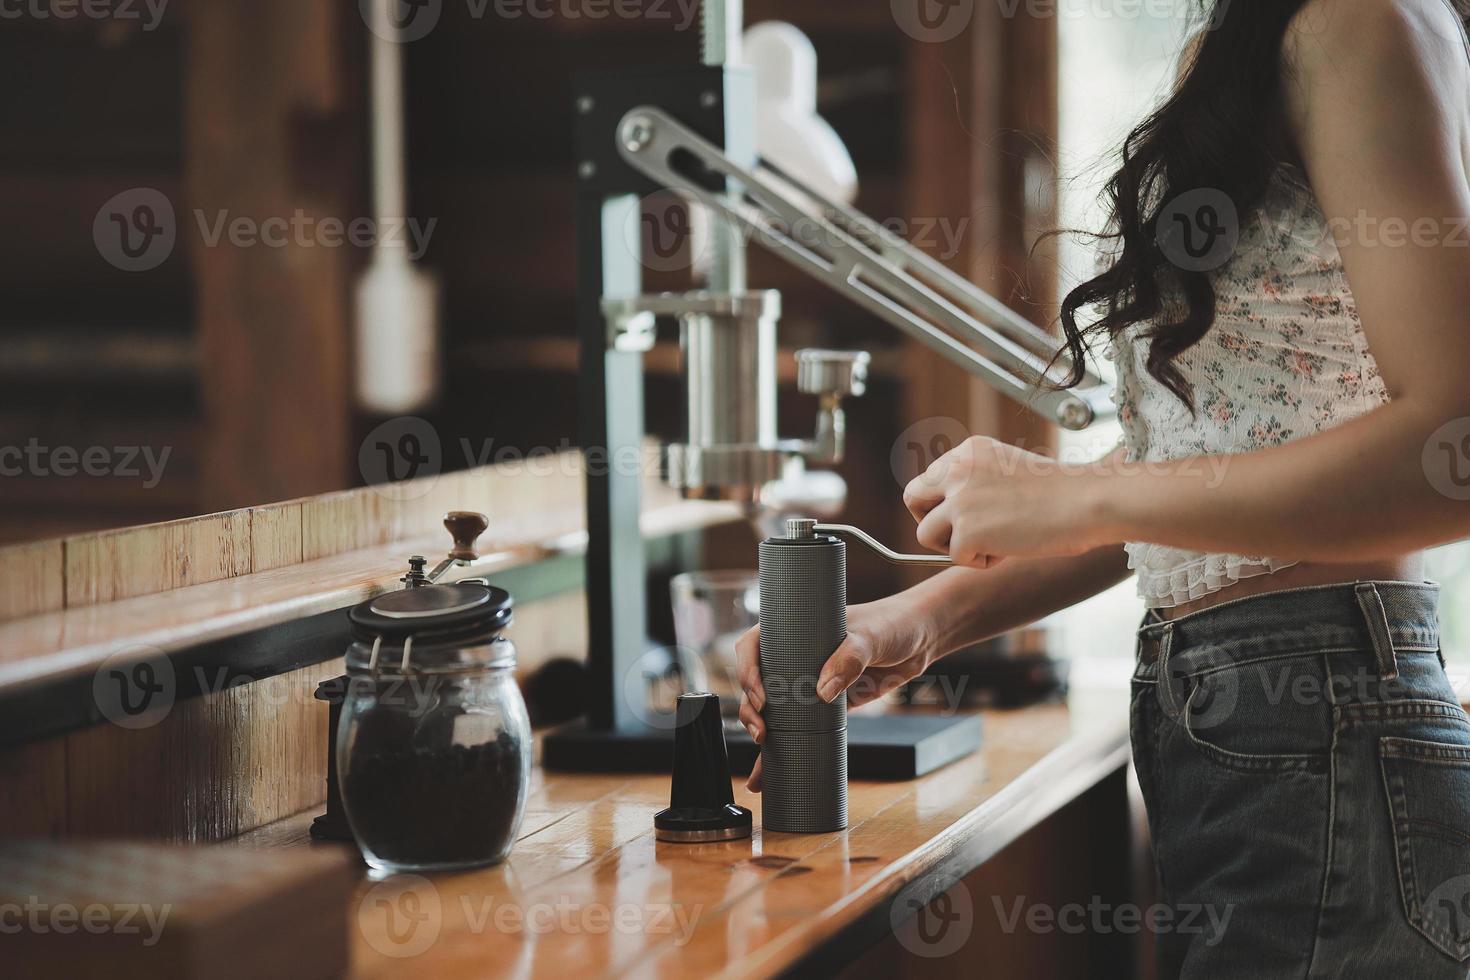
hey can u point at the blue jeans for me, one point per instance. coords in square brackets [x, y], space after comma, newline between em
[1306, 768]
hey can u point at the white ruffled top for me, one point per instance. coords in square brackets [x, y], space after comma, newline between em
[1286, 358]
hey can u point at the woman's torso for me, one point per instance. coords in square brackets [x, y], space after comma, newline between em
[1285, 359]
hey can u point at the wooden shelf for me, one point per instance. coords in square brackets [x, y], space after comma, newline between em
[54, 646]
[259, 592]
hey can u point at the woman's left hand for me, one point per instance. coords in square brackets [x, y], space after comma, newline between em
[985, 501]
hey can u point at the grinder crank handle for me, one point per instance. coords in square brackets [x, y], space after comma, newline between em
[465, 527]
[847, 530]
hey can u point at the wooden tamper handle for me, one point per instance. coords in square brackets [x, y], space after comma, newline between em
[465, 526]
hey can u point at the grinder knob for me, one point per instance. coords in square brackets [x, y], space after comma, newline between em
[465, 527]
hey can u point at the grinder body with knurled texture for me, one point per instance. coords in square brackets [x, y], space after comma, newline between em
[803, 620]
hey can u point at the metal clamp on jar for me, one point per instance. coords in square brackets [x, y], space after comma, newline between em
[433, 747]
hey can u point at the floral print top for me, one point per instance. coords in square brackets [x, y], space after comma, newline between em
[1286, 358]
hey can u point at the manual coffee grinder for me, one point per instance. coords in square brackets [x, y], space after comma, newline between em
[803, 620]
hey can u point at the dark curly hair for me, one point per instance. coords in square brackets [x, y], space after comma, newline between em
[1222, 128]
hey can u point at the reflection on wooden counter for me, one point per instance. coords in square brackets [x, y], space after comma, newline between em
[588, 891]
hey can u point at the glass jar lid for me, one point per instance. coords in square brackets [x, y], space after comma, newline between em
[432, 627]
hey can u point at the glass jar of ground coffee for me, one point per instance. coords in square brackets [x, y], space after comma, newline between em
[434, 744]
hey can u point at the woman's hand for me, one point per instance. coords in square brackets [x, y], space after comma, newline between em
[888, 643]
[985, 501]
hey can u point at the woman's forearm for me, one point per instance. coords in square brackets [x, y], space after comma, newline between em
[1373, 487]
[961, 606]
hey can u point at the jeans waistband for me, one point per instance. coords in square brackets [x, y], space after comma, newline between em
[1386, 618]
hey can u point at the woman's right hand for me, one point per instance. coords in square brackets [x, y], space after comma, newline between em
[888, 643]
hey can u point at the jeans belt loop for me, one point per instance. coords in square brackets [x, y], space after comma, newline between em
[1164, 685]
[1376, 617]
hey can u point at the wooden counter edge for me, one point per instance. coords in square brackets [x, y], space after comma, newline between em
[853, 925]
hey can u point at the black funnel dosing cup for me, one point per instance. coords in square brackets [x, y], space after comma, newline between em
[701, 801]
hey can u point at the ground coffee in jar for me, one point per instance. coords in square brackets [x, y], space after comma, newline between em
[434, 744]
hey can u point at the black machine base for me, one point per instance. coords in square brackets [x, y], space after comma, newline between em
[897, 746]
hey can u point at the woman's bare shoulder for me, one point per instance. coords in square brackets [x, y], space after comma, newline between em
[1340, 35]
[1402, 55]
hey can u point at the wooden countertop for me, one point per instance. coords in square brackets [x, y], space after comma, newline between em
[589, 892]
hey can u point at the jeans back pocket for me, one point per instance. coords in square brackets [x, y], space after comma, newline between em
[1428, 786]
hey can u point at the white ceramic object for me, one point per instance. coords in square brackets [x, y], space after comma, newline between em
[789, 133]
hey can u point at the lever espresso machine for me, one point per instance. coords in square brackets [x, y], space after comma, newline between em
[686, 139]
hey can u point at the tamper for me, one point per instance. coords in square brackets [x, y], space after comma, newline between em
[701, 802]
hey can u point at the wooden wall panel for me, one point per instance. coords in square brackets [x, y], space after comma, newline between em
[106, 566]
[33, 579]
[33, 789]
[276, 540]
[550, 629]
[423, 514]
[209, 549]
[131, 783]
[268, 135]
[297, 754]
[549, 484]
[346, 521]
[216, 766]
[551, 487]
[118, 564]
[155, 558]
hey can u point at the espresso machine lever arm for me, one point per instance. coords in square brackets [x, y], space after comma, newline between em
[887, 553]
[874, 268]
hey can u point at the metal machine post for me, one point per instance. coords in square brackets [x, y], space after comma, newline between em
[610, 383]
